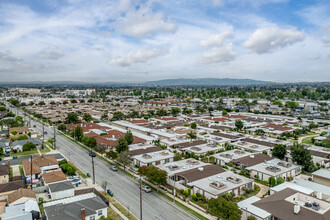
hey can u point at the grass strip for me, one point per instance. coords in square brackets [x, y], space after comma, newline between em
[121, 208]
[81, 173]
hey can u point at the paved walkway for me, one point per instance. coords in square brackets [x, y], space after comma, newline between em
[301, 138]
[263, 190]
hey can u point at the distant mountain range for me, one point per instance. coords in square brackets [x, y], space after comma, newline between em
[164, 82]
[208, 82]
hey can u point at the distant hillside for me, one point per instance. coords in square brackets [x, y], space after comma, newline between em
[207, 82]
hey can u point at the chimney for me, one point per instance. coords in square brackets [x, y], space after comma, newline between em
[83, 214]
[296, 208]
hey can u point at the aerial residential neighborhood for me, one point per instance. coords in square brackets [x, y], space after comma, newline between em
[164, 110]
[202, 155]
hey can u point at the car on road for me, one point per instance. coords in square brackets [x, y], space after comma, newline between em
[146, 188]
[46, 132]
[34, 126]
[113, 168]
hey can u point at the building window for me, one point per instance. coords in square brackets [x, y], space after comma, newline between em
[92, 217]
[99, 213]
[167, 160]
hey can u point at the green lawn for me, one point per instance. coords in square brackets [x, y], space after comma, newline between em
[308, 140]
[24, 153]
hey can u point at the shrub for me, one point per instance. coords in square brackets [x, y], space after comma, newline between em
[194, 197]
[279, 180]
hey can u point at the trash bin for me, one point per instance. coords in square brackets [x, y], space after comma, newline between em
[77, 184]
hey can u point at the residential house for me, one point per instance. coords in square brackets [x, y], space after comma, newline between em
[322, 176]
[60, 189]
[21, 196]
[274, 168]
[4, 173]
[85, 206]
[18, 145]
[39, 166]
[286, 204]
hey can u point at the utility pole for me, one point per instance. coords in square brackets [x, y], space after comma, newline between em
[174, 192]
[43, 135]
[30, 121]
[93, 154]
[140, 198]
[31, 171]
[54, 138]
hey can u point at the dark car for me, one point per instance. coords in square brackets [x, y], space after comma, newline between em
[113, 168]
[34, 126]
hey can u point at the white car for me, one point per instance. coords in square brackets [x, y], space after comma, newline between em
[146, 188]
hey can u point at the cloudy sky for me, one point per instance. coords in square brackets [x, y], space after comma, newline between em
[131, 40]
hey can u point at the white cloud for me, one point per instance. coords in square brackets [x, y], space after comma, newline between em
[8, 57]
[141, 56]
[265, 40]
[217, 39]
[326, 41]
[143, 23]
[51, 53]
[219, 54]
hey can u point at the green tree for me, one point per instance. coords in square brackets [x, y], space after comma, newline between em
[29, 146]
[112, 155]
[22, 137]
[14, 102]
[224, 209]
[177, 157]
[193, 125]
[279, 180]
[272, 181]
[122, 145]
[175, 111]
[91, 142]
[87, 117]
[72, 118]
[239, 125]
[118, 116]
[302, 156]
[1, 150]
[191, 135]
[129, 137]
[14, 132]
[78, 133]
[277, 102]
[279, 151]
[123, 158]
[62, 127]
[74, 101]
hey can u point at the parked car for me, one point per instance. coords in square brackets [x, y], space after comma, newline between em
[146, 188]
[113, 168]
[76, 181]
[34, 126]
[46, 132]
[73, 178]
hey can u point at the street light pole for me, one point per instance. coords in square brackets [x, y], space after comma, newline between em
[174, 192]
[93, 154]
[140, 198]
[43, 135]
[54, 138]
[31, 171]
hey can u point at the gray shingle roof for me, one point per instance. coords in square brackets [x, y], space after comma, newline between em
[73, 210]
[60, 186]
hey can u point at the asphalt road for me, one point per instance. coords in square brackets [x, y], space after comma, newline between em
[126, 191]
